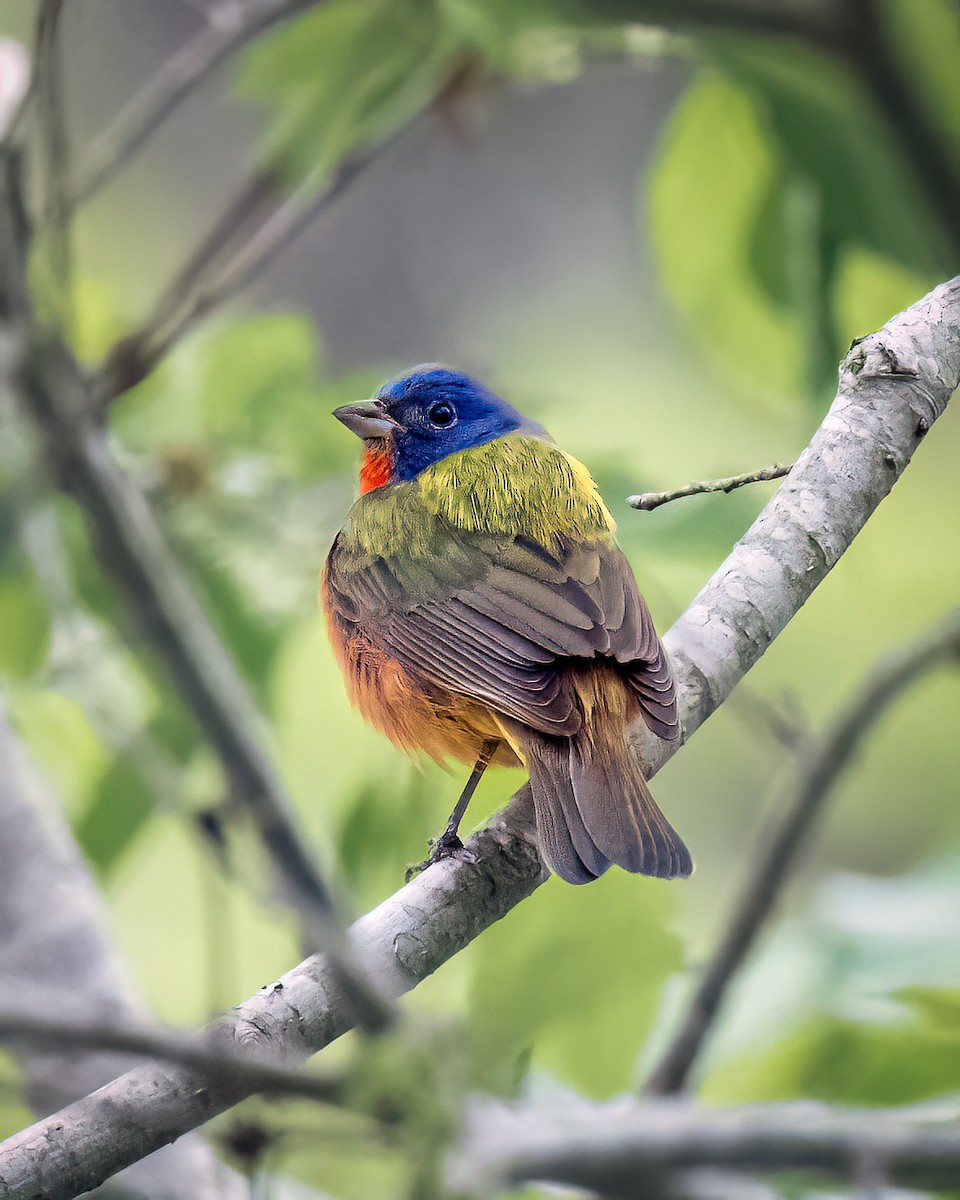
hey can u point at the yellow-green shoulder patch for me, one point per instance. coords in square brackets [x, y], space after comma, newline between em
[518, 486]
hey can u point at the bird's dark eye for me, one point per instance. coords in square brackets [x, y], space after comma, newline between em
[441, 414]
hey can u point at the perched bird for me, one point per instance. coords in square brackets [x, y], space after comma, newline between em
[481, 610]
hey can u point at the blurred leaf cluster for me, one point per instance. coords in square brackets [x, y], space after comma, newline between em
[785, 218]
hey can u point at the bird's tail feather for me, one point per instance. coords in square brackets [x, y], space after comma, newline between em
[594, 809]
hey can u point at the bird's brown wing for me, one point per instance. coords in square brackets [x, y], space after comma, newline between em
[502, 624]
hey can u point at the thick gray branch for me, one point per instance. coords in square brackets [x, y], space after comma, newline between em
[55, 953]
[893, 386]
[618, 1148]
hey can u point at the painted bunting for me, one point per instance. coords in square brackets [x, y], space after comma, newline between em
[481, 610]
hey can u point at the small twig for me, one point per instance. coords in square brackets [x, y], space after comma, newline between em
[54, 154]
[173, 82]
[207, 1055]
[212, 274]
[648, 501]
[820, 770]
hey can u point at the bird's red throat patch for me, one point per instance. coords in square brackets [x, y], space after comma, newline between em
[376, 466]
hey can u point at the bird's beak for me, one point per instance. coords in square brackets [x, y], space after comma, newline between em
[368, 419]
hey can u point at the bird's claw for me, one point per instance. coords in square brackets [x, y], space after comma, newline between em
[445, 846]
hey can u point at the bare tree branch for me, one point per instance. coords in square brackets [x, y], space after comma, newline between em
[24, 1026]
[619, 1147]
[55, 217]
[820, 767]
[54, 393]
[57, 950]
[893, 386]
[173, 82]
[648, 501]
[232, 255]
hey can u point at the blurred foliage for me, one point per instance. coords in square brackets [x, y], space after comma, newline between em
[784, 219]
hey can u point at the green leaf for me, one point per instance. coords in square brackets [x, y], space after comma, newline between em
[827, 131]
[709, 188]
[571, 982]
[118, 810]
[345, 73]
[63, 743]
[24, 625]
[247, 385]
[935, 1007]
[846, 1062]
[801, 171]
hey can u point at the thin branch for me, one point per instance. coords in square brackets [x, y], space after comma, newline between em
[202, 1055]
[173, 82]
[893, 386]
[228, 259]
[54, 393]
[648, 501]
[54, 154]
[820, 769]
[618, 1147]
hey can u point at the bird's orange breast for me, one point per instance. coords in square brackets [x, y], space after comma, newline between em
[414, 715]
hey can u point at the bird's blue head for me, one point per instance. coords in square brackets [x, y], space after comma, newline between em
[422, 416]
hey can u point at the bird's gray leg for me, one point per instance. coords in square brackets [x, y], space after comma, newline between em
[449, 841]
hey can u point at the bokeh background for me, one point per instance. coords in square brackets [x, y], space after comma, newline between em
[657, 241]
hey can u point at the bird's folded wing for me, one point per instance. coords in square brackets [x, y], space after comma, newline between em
[507, 632]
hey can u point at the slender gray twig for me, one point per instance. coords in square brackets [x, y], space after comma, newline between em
[819, 770]
[204, 1055]
[893, 386]
[54, 155]
[624, 1148]
[231, 257]
[173, 82]
[648, 501]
